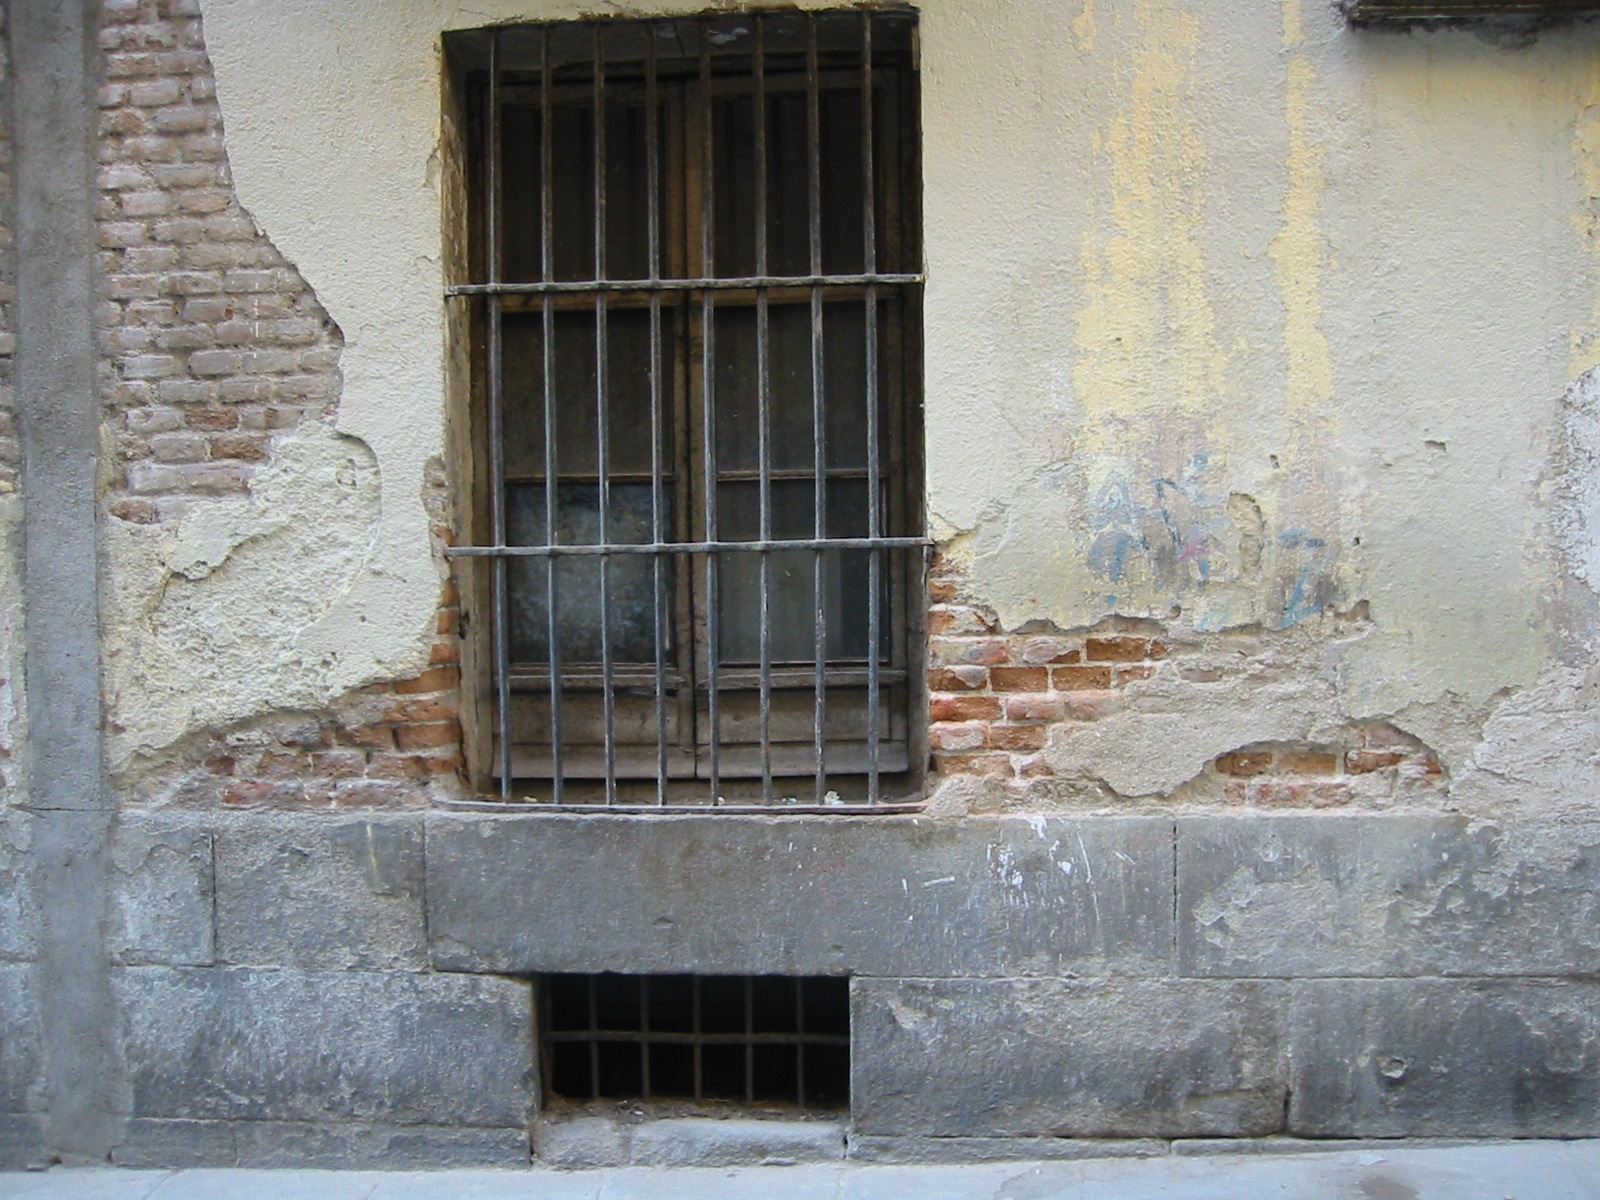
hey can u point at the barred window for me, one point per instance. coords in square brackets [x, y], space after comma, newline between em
[697, 388]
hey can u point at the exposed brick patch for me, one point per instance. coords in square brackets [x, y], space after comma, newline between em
[994, 697]
[213, 346]
[1346, 772]
[998, 697]
[212, 342]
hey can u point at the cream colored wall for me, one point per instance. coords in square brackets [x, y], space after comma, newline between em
[1234, 315]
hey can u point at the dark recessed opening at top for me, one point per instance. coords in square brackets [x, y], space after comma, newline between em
[749, 1040]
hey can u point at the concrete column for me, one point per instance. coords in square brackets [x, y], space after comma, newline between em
[56, 70]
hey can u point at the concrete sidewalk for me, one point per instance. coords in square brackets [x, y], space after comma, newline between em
[1530, 1170]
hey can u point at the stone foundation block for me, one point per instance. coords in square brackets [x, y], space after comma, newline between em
[22, 1142]
[19, 914]
[20, 1085]
[1445, 1058]
[161, 893]
[1064, 1058]
[381, 1047]
[321, 893]
[960, 1150]
[796, 895]
[588, 1142]
[1386, 896]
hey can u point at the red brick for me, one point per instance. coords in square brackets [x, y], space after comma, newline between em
[373, 737]
[395, 766]
[1364, 762]
[959, 620]
[247, 793]
[429, 736]
[1080, 679]
[449, 618]
[339, 764]
[958, 679]
[1034, 708]
[942, 591]
[1132, 674]
[1019, 679]
[1117, 649]
[1308, 762]
[1276, 793]
[950, 652]
[1035, 768]
[1018, 737]
[993, 766]
[963, 708]
[277, 764]
[1244, 762]
[957, 738]
[434, 679]
[1090, 705]
[445, 650]
[1046, 650]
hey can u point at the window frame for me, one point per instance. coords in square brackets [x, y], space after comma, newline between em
[487, 298]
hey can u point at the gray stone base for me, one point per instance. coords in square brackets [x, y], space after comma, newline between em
[290, 1144]
[22, 1142]
[956, 1150]
[685, 1142]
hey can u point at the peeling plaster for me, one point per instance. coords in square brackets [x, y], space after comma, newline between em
[13, 701]
[1232, 317]
[252, 610]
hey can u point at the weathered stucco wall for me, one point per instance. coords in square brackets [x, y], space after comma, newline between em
[13, 704]
[1236, 319]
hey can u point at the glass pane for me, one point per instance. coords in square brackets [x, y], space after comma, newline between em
[631, 613]
[791, 601]
[841, 192]
[577, 431]
[573, 209]
[789, 380]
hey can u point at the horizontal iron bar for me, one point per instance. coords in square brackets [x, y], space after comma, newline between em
[525, 806]
[881, 543]
[697, 1039]
[715, 284]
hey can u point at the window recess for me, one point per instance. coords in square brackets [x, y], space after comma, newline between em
[696, 325]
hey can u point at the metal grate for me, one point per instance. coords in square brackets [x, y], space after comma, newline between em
[702, 1038]
[700, 293]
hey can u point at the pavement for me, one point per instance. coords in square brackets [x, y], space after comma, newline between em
[1524, 1170]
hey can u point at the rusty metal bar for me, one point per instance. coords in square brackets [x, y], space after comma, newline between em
[500, 602]
[869, 233]
[819, 422]
[763, 405]
[548, 414]
[603, 410]
[708, 337]
[748, 283]
[707, 548]
[658, 565]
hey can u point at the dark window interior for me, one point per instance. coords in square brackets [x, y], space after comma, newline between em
[735, 1039]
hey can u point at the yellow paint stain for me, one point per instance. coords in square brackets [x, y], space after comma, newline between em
[1297, 254]
[1584, 344]
[1146, 334]
[1293, 29]
[1083, 27]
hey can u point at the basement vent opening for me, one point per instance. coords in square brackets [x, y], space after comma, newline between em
[755, 1041]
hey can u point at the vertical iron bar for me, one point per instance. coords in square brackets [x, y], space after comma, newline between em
[709, 448]
[874, 517]
[699, 1058]
[749, 1043]
[800, 1043]
[594, 1042]
[653, 243]
[548, 320]
[644, 1042]
[602, 411]
[763, 406]
[497, 452]
[819, 424]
